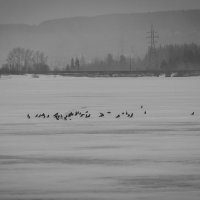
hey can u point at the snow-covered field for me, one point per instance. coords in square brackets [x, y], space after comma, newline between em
[148, 157]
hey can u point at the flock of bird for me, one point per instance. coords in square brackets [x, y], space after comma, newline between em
[86, 114]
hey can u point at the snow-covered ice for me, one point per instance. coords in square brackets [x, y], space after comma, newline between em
[149, 157]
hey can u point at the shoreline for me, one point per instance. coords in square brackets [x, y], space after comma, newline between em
[153, 73]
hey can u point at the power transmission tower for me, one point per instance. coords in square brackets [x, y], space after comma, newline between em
[153, 36]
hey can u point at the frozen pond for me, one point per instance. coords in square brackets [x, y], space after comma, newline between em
[148, 157]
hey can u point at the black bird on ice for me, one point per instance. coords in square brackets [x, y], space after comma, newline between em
[101, 115]
[28, 116]
[118, 116]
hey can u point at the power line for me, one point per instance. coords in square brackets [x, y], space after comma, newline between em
[153, 36]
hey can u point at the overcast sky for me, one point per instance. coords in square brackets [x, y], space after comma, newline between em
[36, 11]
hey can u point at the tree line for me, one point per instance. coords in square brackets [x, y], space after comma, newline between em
[164, 58]
[20, 61]
[109, 63]
[179, 57]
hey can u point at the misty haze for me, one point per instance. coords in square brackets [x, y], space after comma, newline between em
[99, 100]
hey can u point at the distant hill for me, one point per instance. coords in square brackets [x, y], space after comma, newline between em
[96, 36]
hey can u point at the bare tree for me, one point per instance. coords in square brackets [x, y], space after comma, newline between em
[22, 60]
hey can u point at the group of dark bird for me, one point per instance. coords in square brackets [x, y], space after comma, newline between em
[59, 116]
[86, 114]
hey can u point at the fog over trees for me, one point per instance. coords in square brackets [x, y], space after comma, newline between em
[93, 44]
[166, 58]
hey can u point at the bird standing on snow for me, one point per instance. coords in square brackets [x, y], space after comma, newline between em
[101, 115]
[131, 115]
[118, 116]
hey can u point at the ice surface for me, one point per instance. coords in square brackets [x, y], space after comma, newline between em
[149, 157]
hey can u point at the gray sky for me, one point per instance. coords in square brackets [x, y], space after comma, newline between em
[36, 11]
